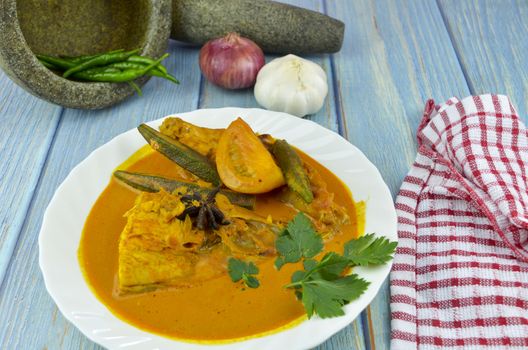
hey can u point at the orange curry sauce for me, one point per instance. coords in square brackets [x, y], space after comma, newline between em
[217, 310]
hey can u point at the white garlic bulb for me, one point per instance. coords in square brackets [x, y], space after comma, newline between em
[291, 84]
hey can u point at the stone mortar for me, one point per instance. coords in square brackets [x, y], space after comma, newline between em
[84, 32]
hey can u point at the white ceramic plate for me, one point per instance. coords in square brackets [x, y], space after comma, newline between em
[65, 216]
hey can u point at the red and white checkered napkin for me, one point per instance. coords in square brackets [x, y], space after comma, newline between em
[460, 276]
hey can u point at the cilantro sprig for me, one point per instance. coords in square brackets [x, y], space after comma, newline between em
[322, 287]
[367, 250]
[325, 286]
[241, 270]
[298, 240]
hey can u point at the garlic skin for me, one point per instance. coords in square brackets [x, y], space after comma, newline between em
[291, 84]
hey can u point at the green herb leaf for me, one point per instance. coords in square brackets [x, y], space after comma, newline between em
[250, 281]
[331, 266]
[309, 264]
[279, 262]
[326, 298]
[297, 276]
[325, 286]
[367, 250]
[323, 289]
[298, 240]
[241, 270]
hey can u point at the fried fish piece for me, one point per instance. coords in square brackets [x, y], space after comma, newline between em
[154, 248]
[202, 140]
[159, 249]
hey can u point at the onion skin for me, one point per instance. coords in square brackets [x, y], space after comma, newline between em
[231, 62]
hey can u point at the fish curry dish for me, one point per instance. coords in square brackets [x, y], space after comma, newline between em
[200, 234]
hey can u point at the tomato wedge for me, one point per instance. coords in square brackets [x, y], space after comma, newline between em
[243, 163]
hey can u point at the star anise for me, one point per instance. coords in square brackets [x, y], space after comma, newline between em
[205, 213]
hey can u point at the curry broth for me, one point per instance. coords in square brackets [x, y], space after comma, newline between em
[214, 310]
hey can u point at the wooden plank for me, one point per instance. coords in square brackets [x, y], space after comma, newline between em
[28, 126]
[491, 40]
[394, 58]
[30, 318]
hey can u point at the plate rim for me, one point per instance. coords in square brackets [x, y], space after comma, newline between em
[308, 342]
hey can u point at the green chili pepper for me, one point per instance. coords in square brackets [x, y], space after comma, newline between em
[153, 72]
[101, 60]
[119, 76]
[166, 76]
[112, 66]
[57, 62]
[84, 58]
[135, 65]
[99, 76]
[92, 73]
[49, 65]
[145, 61]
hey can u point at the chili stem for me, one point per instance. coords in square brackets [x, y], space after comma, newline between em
[136, 87]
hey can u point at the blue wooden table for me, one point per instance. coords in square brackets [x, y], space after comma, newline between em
[396, 54]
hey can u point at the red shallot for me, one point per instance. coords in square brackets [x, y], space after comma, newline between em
[231, 62]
